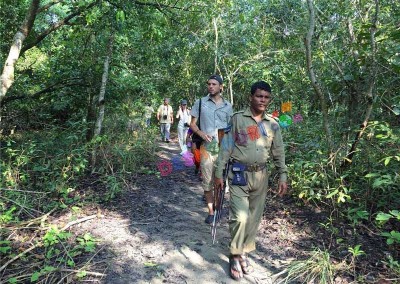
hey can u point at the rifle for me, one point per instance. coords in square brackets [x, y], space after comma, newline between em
[219, 194]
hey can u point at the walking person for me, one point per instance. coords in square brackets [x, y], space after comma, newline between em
[253, 139]
[165, 116]
[148, 112]
[183, 115]
[211, 112]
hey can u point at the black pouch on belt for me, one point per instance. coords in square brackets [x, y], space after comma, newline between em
[238, 174]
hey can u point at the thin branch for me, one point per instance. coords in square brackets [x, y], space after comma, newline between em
[49, 89]
[78, 221]
[48, 5]
[55, 27]
[25, 191]
[20, 205]
[87, 272]
[160, 5]
[41, 243]
[19, 255]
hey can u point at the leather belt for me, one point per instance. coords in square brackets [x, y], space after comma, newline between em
[251, 168]
[254, 168]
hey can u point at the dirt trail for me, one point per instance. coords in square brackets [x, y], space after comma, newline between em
[156, 234]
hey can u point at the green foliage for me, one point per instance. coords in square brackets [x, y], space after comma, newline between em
[87, 243]
[318, 268]
[44, 271]
[393, 265]
[356, 251]
[382, 218]
[393, 237]
[54, 236]
[357, 215]
[4, 247]
[125, 150]
[60, 251]
[7, 215]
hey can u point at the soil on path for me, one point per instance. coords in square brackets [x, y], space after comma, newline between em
[155, 233]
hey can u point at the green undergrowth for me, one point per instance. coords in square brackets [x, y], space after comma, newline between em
[363, 196]
[49, 174]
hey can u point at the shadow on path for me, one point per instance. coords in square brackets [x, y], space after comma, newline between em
[155, 233]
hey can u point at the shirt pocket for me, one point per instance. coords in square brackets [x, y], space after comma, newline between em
[269, 139]
[222, 117]
[241, 137]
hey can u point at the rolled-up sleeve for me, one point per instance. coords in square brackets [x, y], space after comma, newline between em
[224, 154]
[278, 155]
[195, 109]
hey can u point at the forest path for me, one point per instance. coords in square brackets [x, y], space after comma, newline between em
[155, 233]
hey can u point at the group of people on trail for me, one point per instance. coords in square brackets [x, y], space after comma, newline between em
[165, 117]
[251, 138]
[240, 144]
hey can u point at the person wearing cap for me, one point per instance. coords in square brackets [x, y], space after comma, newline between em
[183, 115]
[253, 138]
[215, 114]
[165, 116]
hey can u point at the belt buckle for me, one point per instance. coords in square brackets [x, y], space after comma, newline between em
[252, 168]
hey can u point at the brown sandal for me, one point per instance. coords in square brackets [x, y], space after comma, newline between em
[234, 266]
[247, 268]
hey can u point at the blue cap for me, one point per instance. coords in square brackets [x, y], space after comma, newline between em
[183, 102]
[216, 77]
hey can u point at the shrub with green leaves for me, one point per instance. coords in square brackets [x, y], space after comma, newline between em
[318, 268]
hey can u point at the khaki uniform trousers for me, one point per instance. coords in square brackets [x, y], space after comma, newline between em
[246, 209]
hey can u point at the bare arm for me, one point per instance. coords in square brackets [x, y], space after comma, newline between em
[196, 130]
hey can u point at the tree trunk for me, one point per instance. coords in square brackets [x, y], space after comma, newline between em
[90, 115]
[370, 91]
[355, 84]
[313, 79]
[101, 100]
[7, 77]
[216, 45]
[100, 116]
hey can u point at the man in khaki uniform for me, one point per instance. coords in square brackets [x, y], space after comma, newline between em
[252, 139]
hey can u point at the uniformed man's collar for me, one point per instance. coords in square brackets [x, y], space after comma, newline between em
[248, 112]
[224, 101]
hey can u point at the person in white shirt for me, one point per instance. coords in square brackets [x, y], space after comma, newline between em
[183, 115]
[165, 117]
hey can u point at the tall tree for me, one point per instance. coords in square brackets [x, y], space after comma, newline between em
[7, 76]
[313, 78]
[370, 92]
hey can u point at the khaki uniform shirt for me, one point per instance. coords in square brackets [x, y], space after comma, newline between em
[252, 143]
